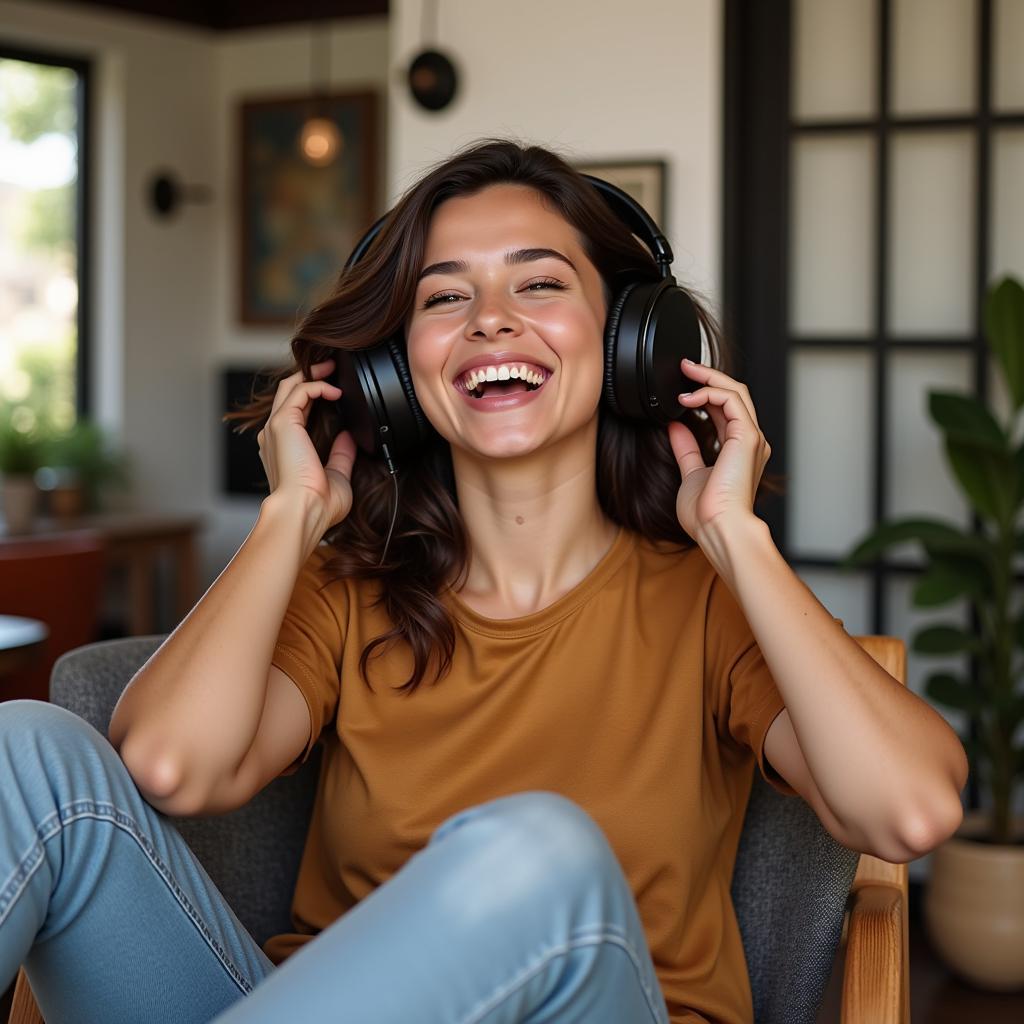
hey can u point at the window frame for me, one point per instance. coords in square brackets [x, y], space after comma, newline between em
[84, 206]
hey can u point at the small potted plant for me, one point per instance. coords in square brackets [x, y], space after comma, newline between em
[20, 456]
[77, 463]
[972, 921]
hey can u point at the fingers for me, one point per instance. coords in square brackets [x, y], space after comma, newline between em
[299, 397]
[715, 378]
[724, 400]
[342, 455]
[289, 384]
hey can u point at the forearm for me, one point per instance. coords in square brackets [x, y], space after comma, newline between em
[194, 708]
[880, 756]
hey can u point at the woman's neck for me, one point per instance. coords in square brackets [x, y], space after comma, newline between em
[532, 539]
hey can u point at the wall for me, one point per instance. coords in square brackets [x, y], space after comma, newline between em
[559, 74]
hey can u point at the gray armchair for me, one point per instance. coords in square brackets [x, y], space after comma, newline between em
[799, 895]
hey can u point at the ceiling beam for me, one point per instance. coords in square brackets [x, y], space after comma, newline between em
[227, 15]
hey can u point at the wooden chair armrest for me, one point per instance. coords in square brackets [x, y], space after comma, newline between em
[23, 1008]
[876, 929]
[875, 981]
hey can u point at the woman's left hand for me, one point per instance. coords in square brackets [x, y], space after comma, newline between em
[726, 489]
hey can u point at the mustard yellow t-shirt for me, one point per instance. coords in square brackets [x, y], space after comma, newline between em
[641, 694]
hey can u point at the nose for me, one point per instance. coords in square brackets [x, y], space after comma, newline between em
[492, 318]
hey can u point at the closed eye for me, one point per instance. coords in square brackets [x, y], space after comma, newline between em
[433, 300]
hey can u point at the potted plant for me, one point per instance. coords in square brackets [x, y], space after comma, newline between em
[77, 463]
[20, 456]
[972, 923]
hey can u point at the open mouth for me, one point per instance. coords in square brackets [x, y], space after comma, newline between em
[496, 388]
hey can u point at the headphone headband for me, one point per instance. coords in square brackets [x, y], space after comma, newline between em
[622, 204]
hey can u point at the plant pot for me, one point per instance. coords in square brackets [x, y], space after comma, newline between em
[974, 905]
[19, 496]
[65, 493]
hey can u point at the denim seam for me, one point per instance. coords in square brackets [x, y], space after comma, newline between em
[583, 937]
[71, 812]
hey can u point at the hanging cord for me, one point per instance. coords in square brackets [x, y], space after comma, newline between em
[394, 514]
[428, 35]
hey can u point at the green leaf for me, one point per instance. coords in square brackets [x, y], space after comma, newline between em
[1018, 630]
[944, 639]
[950, 576]
[965, 418]
[1004, 332]
[953, 692]
[944, 536]
[988, 478]
[1018, 460]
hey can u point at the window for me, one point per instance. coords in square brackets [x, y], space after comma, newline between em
[43, 230]
[874, 154]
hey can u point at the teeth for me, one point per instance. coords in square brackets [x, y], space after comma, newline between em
[474, 378]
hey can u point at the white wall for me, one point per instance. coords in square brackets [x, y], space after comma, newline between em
[594, 81]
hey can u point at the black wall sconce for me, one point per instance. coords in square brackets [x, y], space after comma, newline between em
[166, 194]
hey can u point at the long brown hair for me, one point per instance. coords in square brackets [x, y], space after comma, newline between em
[636, 471]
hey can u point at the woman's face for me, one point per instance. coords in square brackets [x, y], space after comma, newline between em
[541, 310]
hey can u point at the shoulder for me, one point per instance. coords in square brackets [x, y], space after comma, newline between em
[667, 558]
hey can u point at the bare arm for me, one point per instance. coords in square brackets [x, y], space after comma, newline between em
[189, 718]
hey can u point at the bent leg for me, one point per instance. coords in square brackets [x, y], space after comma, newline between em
[101, 898]
[516, 911]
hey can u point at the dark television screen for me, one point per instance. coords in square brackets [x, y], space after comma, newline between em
[241, 469]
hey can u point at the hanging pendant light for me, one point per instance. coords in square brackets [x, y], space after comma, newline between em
[431, 75]
[320, 142]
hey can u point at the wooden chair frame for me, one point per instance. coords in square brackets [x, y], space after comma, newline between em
[875, 939]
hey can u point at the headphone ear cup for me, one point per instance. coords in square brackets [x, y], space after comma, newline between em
[379, 405]
[611, 343]
[396, 346]
[651, 325]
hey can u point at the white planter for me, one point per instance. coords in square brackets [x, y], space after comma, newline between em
[974, 906]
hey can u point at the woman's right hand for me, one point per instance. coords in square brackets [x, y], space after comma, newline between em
[289, 457]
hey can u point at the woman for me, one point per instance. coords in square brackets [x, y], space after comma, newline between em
[546, 831]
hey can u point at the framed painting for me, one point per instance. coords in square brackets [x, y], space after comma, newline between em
[299, 221]
[644, 180]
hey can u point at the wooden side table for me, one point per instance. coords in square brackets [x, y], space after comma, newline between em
[21, 642]
[135, 541]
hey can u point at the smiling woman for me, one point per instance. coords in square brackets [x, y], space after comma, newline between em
[581, 642]
[437, 246]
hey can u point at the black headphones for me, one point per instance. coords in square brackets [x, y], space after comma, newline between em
[651, 326]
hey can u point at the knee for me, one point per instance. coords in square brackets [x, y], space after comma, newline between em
[27, 725]
[537, 835]
[552, 827]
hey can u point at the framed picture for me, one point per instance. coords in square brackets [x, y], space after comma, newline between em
[298, 222]
[644, 180]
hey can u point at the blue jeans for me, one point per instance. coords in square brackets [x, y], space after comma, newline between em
[516, 910]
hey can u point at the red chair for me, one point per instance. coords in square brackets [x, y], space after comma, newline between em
[59, 580]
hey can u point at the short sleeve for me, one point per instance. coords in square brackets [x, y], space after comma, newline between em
[744, 698]
[309, 646]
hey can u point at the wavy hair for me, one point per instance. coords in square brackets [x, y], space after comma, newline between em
[637, 475]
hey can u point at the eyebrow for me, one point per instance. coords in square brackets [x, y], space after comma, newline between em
[512, 257]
